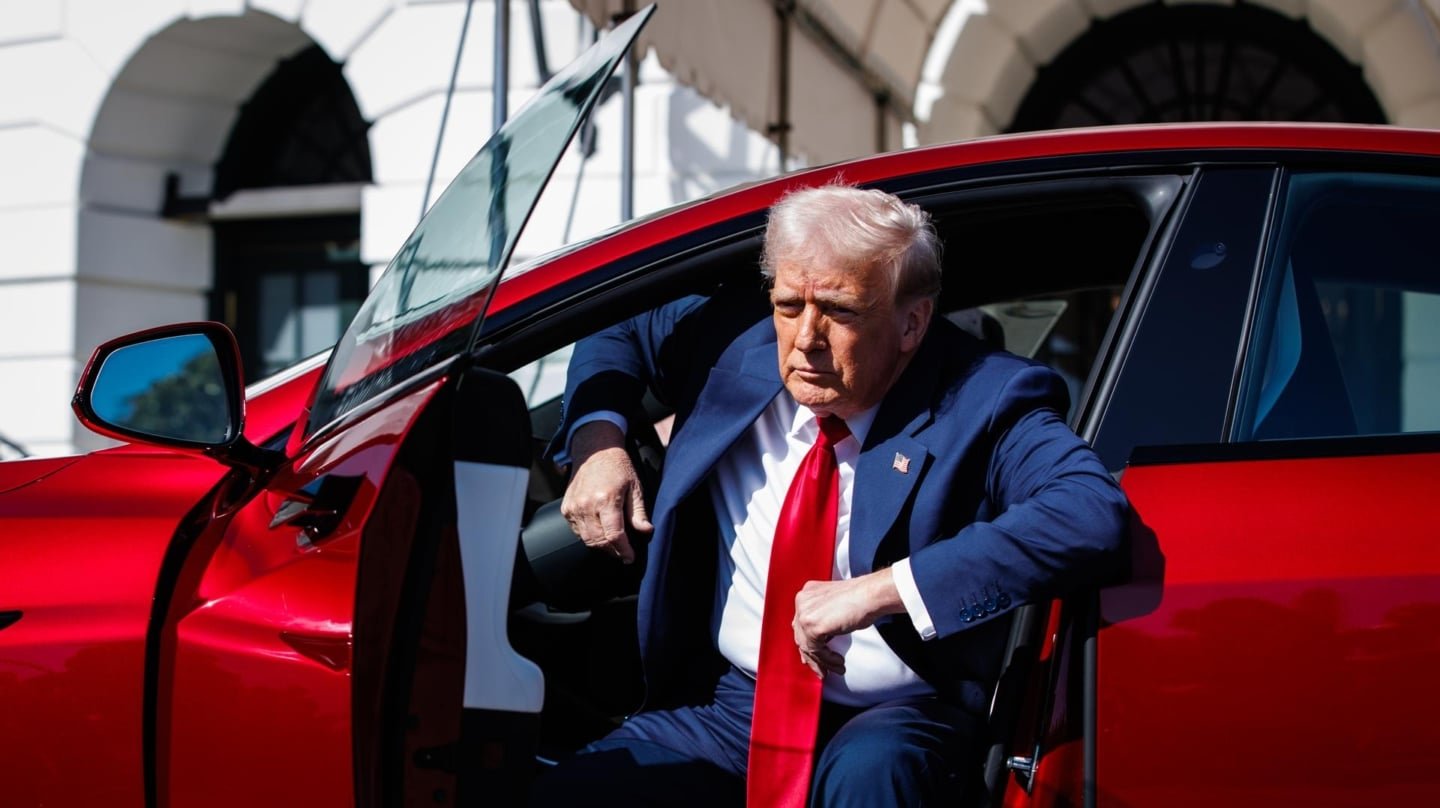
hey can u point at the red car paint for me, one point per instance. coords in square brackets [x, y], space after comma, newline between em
[18, 473]
[261, 631]
[1267, 628]
[81, 551]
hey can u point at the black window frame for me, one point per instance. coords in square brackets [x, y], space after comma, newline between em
[1138, 385]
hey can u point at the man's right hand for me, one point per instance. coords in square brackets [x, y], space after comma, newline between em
[604, 494]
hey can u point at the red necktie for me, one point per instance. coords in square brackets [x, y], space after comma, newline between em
[787, 693]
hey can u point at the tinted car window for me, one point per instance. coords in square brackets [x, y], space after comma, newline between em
[1347, 340]
[1174, 385]
[424, 307]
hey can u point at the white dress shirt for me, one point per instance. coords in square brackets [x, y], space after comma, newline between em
[748, 488]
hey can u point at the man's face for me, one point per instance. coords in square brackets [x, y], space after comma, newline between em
[843, 341]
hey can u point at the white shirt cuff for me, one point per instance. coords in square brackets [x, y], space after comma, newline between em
[910, 596]
[562, 458]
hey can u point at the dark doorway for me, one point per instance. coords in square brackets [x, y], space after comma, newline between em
[289, 284]
[288, 287]
[1161, 63]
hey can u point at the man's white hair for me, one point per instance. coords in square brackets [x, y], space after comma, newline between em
[858, 228]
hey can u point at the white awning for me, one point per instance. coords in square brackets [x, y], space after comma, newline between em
[854, 64]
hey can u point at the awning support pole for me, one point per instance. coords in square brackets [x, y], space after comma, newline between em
[445, 110]
[882, 104]
[781, 127]
[537, 40]
[501, 85]
[629, 76]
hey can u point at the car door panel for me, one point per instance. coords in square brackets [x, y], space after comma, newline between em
[257, 647]
[503, 692]
[1282, 601]
[490, 499]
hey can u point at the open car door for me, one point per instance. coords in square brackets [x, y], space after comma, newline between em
[282, 658]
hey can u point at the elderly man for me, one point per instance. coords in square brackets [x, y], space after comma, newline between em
[854, 492]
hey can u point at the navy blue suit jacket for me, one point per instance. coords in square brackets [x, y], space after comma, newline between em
[1000, 503]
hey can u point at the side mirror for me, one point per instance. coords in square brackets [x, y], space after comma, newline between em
[177, 386]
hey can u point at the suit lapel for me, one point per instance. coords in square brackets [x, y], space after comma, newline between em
[893, 459]
[881, 490]
[728, 405]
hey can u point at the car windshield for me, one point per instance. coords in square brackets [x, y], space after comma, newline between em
[426, 305]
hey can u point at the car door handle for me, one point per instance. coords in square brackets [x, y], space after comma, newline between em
[319, 506]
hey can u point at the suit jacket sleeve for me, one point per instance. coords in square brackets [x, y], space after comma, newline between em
[1060, 522]
[611, 369]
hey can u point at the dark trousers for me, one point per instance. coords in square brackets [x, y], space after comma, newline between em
[907, 752]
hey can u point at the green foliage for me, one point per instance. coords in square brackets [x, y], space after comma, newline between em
[189, 404]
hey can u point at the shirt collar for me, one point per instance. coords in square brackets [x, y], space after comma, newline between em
[805, 423]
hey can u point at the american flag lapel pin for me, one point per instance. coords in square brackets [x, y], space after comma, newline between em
[901, 463]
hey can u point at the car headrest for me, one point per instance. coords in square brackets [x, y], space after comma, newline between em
[980, 325]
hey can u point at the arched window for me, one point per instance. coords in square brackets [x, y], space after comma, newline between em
[1162, 63]
[288, 275]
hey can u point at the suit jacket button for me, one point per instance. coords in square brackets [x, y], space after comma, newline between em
[1003, 601]
[989, 605]
[966, 616]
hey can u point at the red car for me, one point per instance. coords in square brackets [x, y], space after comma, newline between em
[349, 584]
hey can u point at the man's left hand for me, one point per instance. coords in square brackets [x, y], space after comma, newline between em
[828, 609]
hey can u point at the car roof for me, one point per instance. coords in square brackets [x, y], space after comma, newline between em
[631, 237]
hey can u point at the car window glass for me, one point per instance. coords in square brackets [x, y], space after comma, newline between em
[544, 378]
[1063, 329]
[424, 308]
[1174, 384]
[1347, 339]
